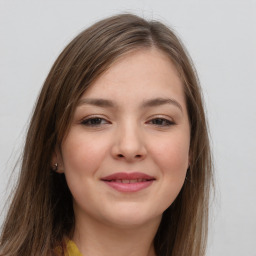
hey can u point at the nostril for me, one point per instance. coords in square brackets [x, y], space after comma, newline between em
[122, 156]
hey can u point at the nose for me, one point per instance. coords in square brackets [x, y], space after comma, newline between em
[129, 144]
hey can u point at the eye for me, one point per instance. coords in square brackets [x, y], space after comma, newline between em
[94, 121]
[161, 122]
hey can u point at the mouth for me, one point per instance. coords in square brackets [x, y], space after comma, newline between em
[128, 182]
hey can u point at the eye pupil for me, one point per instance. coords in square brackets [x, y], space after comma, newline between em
[158, 121]
[95, 120]
[161, 122]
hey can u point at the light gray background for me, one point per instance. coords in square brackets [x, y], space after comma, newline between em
[221, 38]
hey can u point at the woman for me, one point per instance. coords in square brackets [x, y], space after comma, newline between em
[117, 158]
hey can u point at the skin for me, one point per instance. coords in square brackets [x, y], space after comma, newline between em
[128, 136]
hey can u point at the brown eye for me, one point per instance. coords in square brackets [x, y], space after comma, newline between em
[95, 121]
[161, 122]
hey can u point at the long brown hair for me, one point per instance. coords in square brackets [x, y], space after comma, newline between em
[41, 212]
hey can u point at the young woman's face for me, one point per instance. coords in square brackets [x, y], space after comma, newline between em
[126, 155]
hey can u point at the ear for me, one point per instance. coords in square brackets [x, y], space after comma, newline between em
[57, 162]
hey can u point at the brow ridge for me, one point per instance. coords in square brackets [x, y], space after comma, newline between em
[96, 102]
[147, 103]
[161, 101]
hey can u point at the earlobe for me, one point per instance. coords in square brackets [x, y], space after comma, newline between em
[56, 167]
[56, 163]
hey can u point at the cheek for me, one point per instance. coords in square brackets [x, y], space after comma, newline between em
[82, 154]
[172, 154]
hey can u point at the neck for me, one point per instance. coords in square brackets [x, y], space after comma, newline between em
[94, 238]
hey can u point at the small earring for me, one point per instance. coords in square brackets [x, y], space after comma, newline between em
[55, 167]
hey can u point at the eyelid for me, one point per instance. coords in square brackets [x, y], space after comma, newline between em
[168, 119]
[92, 117]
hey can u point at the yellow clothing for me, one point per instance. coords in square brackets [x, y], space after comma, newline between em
[72, 249]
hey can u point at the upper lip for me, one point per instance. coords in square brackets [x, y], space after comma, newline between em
[127, 176]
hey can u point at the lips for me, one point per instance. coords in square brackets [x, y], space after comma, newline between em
[128, 182]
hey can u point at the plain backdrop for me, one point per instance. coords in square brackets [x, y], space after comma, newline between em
[221, 38]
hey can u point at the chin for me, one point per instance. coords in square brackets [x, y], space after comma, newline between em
[131, 223]
[133, 218]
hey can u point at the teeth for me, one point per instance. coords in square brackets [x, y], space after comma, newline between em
[125, 181]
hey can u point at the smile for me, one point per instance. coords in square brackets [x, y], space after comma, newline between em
[128, 182]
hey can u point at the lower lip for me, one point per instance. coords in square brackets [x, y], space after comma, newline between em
[129, 187]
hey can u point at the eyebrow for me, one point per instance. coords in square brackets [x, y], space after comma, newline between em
[97, 102]
[161, 101]
[147, 103]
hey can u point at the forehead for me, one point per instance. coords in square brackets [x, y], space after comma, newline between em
[139, 74]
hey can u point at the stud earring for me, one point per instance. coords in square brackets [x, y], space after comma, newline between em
[55, 167]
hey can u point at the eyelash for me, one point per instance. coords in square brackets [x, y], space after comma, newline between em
[162, 120]
[97, 121]
[91, 121]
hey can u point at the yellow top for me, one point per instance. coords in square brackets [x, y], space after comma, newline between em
[72, 249]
